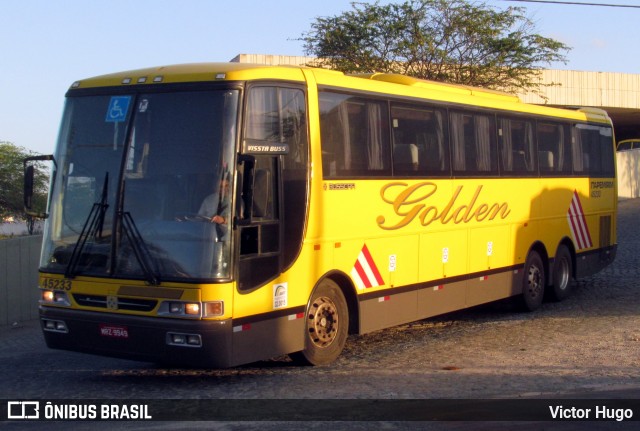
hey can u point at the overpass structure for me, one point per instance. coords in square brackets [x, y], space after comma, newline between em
[616, 93]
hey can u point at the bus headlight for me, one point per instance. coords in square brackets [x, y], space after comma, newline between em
[180, 309]
[191, 309]
[54, 297]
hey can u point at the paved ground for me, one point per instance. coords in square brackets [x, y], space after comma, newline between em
[585, 347]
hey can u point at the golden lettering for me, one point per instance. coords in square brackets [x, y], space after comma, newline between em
[482, 212]
[405, 199]
[412, 201]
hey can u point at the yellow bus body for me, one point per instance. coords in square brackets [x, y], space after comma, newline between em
[429, 245]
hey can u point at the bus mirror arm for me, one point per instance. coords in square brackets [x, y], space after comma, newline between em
[29, 175]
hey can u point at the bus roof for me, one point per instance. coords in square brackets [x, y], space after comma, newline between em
[194, 72]
[381, 83]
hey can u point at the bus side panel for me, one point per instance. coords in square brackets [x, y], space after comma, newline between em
[260, 339]
[386, 311]
[492, 287]
[442, 298]
[443, 254]
[489, 248]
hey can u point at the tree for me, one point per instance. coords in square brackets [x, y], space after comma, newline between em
[455, 41]
[12, 180]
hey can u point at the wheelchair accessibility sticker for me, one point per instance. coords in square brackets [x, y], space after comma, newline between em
[117, 110]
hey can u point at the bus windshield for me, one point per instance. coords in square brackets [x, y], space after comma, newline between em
[142, 186]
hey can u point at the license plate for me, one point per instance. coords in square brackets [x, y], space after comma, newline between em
[114, 331]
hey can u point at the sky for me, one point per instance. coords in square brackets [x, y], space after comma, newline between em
[48, 44]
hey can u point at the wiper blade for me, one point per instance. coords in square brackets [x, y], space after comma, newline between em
[140, 249]
[93, 226]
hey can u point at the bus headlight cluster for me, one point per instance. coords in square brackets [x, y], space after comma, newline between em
[191, 309]
[55, 297]
[188, 308]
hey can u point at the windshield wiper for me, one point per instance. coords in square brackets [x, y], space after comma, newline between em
[140, 249]
[93, 226]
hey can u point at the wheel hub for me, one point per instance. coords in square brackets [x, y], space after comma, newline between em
[534, 281]
[323, 322]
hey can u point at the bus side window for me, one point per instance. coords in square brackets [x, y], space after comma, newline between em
[517, 149]
[418, 142]
[593, 144]
[473, 143]
[355, 136]
[554, 155]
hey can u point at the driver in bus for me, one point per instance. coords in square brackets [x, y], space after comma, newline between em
[215, 207]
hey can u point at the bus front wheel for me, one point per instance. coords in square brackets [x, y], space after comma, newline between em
[533, 282]
[327, 325]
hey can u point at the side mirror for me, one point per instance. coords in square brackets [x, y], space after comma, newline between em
[29, 175]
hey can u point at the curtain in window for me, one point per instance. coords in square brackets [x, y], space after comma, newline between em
[440, 141]
[343, 121]
[560, 156]
[529, 148]
[576, 137]
[375, 160]
[457, 141]
[506, 149]
[483, 142]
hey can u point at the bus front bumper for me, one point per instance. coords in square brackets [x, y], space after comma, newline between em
[150, 339]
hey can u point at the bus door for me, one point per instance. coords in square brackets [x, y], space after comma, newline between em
[259, 230]
[272, 185]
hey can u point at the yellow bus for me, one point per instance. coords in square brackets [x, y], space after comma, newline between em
[220, 214]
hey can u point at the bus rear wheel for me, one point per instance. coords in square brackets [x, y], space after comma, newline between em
[562, 274]
[533, 282]
[327, 325]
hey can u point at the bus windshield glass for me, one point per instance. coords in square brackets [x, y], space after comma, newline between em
[142, 186]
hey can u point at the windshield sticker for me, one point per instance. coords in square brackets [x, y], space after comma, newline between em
[142, 107]
[117, 110]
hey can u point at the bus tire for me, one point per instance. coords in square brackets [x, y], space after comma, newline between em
[562, 274]
[533, 282]
[327, 325]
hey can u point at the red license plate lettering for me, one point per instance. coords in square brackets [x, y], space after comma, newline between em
[114, 331]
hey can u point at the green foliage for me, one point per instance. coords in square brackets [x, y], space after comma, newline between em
[454, 41]
[12, 180]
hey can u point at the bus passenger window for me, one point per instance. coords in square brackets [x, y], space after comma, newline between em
[418, 142]
[515, 138]
[473, 143]
[554, 155]
[592, 150]
[355, 136]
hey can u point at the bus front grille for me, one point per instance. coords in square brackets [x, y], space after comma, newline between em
[115, 303]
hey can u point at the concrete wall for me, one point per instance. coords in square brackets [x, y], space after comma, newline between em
[19, 259]
[628, 173]
[581, 88]
[573, 87]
